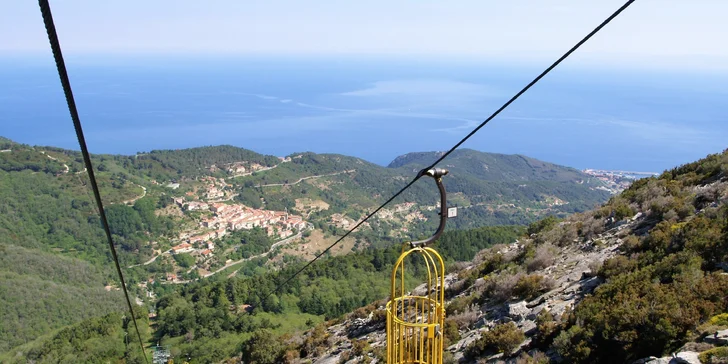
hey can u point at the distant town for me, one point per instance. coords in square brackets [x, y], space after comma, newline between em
[617, 181]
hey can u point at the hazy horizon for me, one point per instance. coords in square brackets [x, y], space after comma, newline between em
[374, 80]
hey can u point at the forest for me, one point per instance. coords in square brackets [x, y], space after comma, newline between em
[210, 311]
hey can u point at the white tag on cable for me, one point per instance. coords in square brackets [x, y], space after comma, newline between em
[452, 212]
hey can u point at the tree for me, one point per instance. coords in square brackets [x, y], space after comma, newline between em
[185, 260]
[123, 220]
[262, 348]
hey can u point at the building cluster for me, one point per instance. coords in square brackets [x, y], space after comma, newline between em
[226, 218]
[237, 217]
[238, 168]
[617, 181]
[213, 188]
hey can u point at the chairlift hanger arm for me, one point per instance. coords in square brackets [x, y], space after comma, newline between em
[437, 174]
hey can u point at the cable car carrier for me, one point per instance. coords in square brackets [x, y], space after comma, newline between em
[415, 322]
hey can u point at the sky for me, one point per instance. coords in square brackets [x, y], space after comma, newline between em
[650, 34]
[661, 68]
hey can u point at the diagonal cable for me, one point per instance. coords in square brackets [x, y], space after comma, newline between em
[61, 65]
[456, 146]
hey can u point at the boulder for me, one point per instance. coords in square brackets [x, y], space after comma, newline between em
[652, 360]
[528, 327]
[518, 311]
[685, 357]
[718, 338]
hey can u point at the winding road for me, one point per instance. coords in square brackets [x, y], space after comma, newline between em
[272, 247]
[144, 193]
[305, 178]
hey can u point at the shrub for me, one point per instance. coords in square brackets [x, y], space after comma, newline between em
[500, 287]
[380, 316]
[547, 329]
[531, 286]
[359, 347]
[315, 342]
[459, 305]
[615, 266]
[492, 263]
[714, 356]
[263, 347]
[345, 356]
[667, 313]
[622, 210]
[594, 267]
[465, 319]
[536, 357]
[543, 257]
[719, 320]
[592, 227]
[363, 312]
[503, 338]
[542, 225]
[571, 344]
[452, 335]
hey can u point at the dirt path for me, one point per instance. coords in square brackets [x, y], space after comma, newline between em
[272, 247]
[144, 193]
[305, 178]
[150, 261]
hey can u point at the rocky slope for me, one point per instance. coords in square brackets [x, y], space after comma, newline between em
[538, 299]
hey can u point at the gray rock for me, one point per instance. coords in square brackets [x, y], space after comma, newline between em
[644, 360]
[528, 327]
[559, 308]
[659, 361]
[685, 357]
[518, 311]
[652, 360]
[588, 285]
[718, 338]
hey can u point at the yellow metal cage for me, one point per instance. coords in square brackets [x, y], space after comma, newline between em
[415, 322]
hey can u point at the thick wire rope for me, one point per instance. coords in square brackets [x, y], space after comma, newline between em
[63, 74]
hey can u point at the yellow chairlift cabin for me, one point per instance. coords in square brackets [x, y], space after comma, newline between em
[415, 322]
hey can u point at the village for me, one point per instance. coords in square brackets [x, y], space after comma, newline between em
[215, 216]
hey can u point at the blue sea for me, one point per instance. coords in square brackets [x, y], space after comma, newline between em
[368, 107]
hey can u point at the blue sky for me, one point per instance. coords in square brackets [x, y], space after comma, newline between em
[651, 34]
[652, 82]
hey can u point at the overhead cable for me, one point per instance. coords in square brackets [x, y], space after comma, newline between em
[63, 74]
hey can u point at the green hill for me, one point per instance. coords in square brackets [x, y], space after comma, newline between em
[40, 292]
[491, 166]
[55, 251]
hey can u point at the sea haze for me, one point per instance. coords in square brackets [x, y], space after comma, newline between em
[371, 108]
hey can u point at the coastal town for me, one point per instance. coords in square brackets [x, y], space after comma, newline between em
[616, 181]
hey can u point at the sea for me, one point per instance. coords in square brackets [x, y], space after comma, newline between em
[375, 108]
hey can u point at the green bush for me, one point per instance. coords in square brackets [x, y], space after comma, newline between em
[547, 329]
[184, 260]
[572, 344]
[531, 286]
[459, 305]
[719, 320]
[615, 266]
[452, 335]
[503, 338]
[714, 356]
